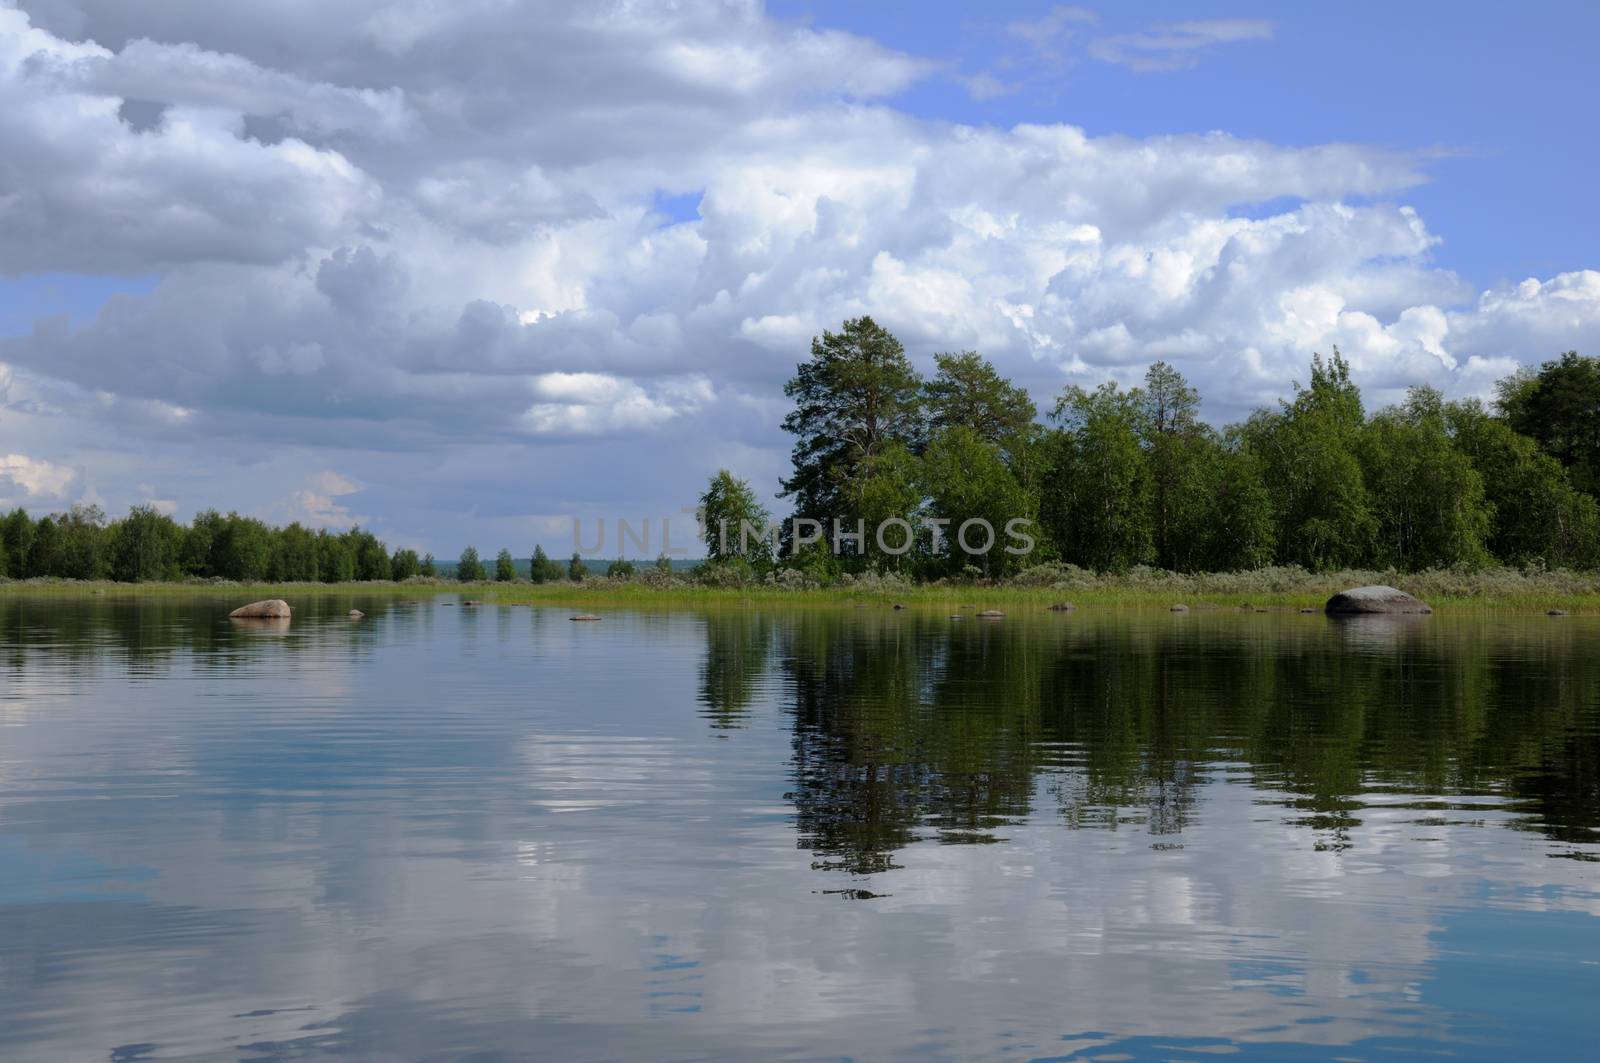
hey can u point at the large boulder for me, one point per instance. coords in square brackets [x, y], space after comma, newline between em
[1378, 600]
[271, 609]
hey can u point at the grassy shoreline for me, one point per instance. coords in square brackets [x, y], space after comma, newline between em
[1501, 590]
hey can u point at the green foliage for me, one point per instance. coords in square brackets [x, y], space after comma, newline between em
[83, 552]
[294, 555]
[966, 392]
[1181, 452]
[469, 569]
[1234, 524]
[371, 556]
[505, 569]
[242, 549]
[1559, 408]
[884, 487]
[1427, 497]
[1537, 517]
[429, 567]
[145, 546]
[543, 570]
[854, 397]
[16, 541]
[1097, 503]
[576, 569]
[1310, 460]
[966, 479]
[621, 568]
[404, 564]
[735, 523]
[336, 557]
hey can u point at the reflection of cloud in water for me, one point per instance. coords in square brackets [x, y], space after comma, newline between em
[501, 839]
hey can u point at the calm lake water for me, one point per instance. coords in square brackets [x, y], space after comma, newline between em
[490, 833]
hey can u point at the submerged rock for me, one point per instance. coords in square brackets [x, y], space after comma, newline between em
[586, 618]
[1179, 608]
[991, 614]
[898, 605]
[1381, 600]
[270, 609]
[356, 614]
[1555, 612]
[1062, 607]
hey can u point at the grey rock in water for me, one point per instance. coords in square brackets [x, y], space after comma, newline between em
[1379, 600]
[356, 614]
[991, 614]
[270, 609]
[1179, 608]
[586, 618]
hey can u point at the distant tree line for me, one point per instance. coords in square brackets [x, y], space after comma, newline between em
[1115, 478]
[149, 545]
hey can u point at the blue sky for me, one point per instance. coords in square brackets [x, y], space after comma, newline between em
[1502, 93]
[465, 272]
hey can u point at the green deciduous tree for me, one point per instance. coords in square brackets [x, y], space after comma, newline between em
[294, 555]
[1096, 503]
[1181, 450]
[735, 522]
[336, 558]
[885, 487]
[83, 552]
[1537, 515]
[404, 564]
[1234, 523]
[1310, 459]
[1428, 499]
[145, 546]
[45, 549]
[505, 567]
[966, 479]
[16, 538]
[1559, 408]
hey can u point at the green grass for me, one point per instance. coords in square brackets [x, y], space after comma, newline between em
[1497, 589]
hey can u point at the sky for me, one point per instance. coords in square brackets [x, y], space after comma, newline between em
[464, 272]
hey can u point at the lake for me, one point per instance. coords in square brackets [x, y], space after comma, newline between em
[448, 832]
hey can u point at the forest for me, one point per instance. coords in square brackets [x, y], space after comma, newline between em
[1111, 478]
[1119, 478]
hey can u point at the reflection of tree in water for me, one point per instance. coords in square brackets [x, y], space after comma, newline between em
[899, 727]
[908, 727]
[142, 636]
[738, 654]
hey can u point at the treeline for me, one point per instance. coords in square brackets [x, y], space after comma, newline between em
[1115, 478]
[148, 545]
